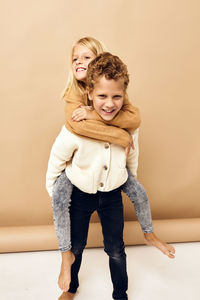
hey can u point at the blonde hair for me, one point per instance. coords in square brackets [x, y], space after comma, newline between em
[96, 47]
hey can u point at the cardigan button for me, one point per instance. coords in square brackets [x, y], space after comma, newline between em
[105, 167]
[101, 184]
[106, 146]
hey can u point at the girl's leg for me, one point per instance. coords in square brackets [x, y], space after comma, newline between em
[60, 202]
[137, 194]
[70, 293]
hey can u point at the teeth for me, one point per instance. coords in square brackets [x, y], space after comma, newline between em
[108, 111]
[80, 69]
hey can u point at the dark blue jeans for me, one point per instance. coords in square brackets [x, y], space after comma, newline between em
[61, 200]
[110, 210]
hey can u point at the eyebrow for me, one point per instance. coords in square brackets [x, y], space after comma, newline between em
[85, 53]
[104, 94]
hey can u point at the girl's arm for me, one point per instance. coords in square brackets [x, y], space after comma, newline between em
[98, 129]
[61, 152]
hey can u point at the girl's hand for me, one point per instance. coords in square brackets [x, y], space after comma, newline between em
[130, 145]
[82, 113]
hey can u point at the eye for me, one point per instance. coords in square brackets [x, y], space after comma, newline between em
[117, 96]
[102, 96]
[74, 59]
[87, 57]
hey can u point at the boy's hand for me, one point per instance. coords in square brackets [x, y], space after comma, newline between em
[82, 113]
[130, 145]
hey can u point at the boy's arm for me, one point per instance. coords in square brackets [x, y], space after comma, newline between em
[132, 159]
[61, 152]
[95, 129]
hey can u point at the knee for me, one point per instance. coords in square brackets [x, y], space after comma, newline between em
[136, 193]
[78, 248]
[115, 251]
[62, 191]
[62, 184]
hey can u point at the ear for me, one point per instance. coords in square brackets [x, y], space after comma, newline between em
[90, 95]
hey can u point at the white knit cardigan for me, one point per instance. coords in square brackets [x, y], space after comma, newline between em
[89, 164]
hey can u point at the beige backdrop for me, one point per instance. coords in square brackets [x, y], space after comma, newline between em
[159, 41]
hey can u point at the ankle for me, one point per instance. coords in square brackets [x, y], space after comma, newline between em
[68, 255]
[149, 236]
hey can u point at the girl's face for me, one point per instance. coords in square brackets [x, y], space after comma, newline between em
[81, 58]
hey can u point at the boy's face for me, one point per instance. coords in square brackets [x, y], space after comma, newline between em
[82, 56]
[107, 97]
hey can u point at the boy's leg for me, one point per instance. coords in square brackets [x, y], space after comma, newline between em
[137, 194]
[82, 207]
[110, 211]
[60, 202]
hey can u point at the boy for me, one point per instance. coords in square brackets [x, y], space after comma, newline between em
[97, 170]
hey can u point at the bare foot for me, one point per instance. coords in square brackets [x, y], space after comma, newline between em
[65, 271]
[152, 240]
[66, 296]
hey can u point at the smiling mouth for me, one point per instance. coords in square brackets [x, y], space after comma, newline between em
[80, 69]
[109, 112]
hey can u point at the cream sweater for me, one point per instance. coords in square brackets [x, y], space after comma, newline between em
[89, 164]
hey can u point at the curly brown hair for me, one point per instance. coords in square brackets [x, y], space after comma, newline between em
[108, 65]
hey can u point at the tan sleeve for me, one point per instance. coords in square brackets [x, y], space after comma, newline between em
[95, 129]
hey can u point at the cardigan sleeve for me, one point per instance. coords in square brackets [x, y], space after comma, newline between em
[132, 159]
[61, 153]
[112, 132]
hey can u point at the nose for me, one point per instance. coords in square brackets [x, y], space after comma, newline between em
[109, 103]
[79, 61]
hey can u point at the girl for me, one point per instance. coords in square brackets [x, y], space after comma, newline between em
[81, 120]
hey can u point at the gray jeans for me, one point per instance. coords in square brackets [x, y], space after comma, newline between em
[61, 199]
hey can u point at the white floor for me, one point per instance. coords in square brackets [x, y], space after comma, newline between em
[152, 276]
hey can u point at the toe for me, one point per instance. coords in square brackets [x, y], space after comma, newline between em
[169, 254]
[171, 249]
